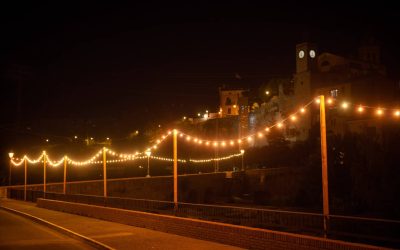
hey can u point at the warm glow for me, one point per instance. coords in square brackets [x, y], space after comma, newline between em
[242, 151]
[280, 125]
[207, 143]
[188, 138]
[47, 140]
[215, 144]
[260, 135]
[396, 113]
[234, 106]
[318, 101]
[181, 135]
[239, 141]
[184, 118]
[155, 147]
[232, 143]
[198, 114]
[200, 141]
[267, 92]
[205, 115]
[76, 137]
[223, 144]
[249, 139]
[360, 109]
[379, 111]
[195, 139]
[345, 105]
[329, 101]
[267, 129]
[148, 153]
[302, 110]
[11, 154]
[293, 118]
[108, 138]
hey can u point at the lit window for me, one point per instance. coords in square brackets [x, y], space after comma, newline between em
[334, 93]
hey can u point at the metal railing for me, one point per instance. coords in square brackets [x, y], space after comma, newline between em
[368, 230]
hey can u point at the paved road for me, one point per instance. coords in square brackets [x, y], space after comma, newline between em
[20, 233]
[115, 235]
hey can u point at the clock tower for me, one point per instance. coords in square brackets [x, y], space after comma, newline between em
[306, 66]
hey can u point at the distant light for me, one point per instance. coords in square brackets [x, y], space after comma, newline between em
[159, 125]
[360, 109]
[396, 113]
[198, 114]
[329, 101]
[260, 135]
[215, 144]
[108, 138]
[234, 106]
[155, 147]
[207, 143]
[137, 132]
[232, 142]
[91, 138]
[205, 115]
[239, 141]
[184, 118]
[267, 92]
[206, 111]
[317, 100]
[267, 129]
[76, 137]
[47, 140]
[11, 154]
[379, 111]
[249, 139]
[188, 138]
[242, 151]
[345, 105]
[223, 144]
[148, 153]
[293, 118]
[280, 125]
[302, 110]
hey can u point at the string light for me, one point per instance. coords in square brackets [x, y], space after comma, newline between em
[137, 155]
[215, 159]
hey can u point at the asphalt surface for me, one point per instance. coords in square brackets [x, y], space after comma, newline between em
[17, 232]
[115, 235]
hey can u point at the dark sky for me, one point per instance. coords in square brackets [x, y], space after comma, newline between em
[123, 67]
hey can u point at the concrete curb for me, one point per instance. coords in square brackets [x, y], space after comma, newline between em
[72, 234]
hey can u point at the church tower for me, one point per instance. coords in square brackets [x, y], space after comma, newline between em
[306, 65]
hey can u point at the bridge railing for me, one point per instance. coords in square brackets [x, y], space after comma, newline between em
[368, 230]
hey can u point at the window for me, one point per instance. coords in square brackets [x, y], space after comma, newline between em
[334, 93]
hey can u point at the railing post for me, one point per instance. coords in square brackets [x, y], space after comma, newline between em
[324, 161]
[175, 145]
[105, 172]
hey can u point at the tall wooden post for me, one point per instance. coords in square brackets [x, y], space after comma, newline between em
[105, 171]
[175, 168]
[25, 178]
[65, 175]
[324, 161]
[44, 174]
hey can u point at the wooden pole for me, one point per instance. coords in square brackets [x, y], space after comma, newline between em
[324, 161]
[25, 174]
[105, 172]
[65, 175]
[175, 168]
[44, 174]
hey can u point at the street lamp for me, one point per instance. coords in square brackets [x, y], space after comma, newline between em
[11, 155]
[148, 153]
[242, 152]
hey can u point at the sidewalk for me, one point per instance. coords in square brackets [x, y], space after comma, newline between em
[115, 235]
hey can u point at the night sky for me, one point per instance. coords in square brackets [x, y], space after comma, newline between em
[118, 68]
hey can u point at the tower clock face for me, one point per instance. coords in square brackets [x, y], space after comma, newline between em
[312, 53]
[301, 54]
